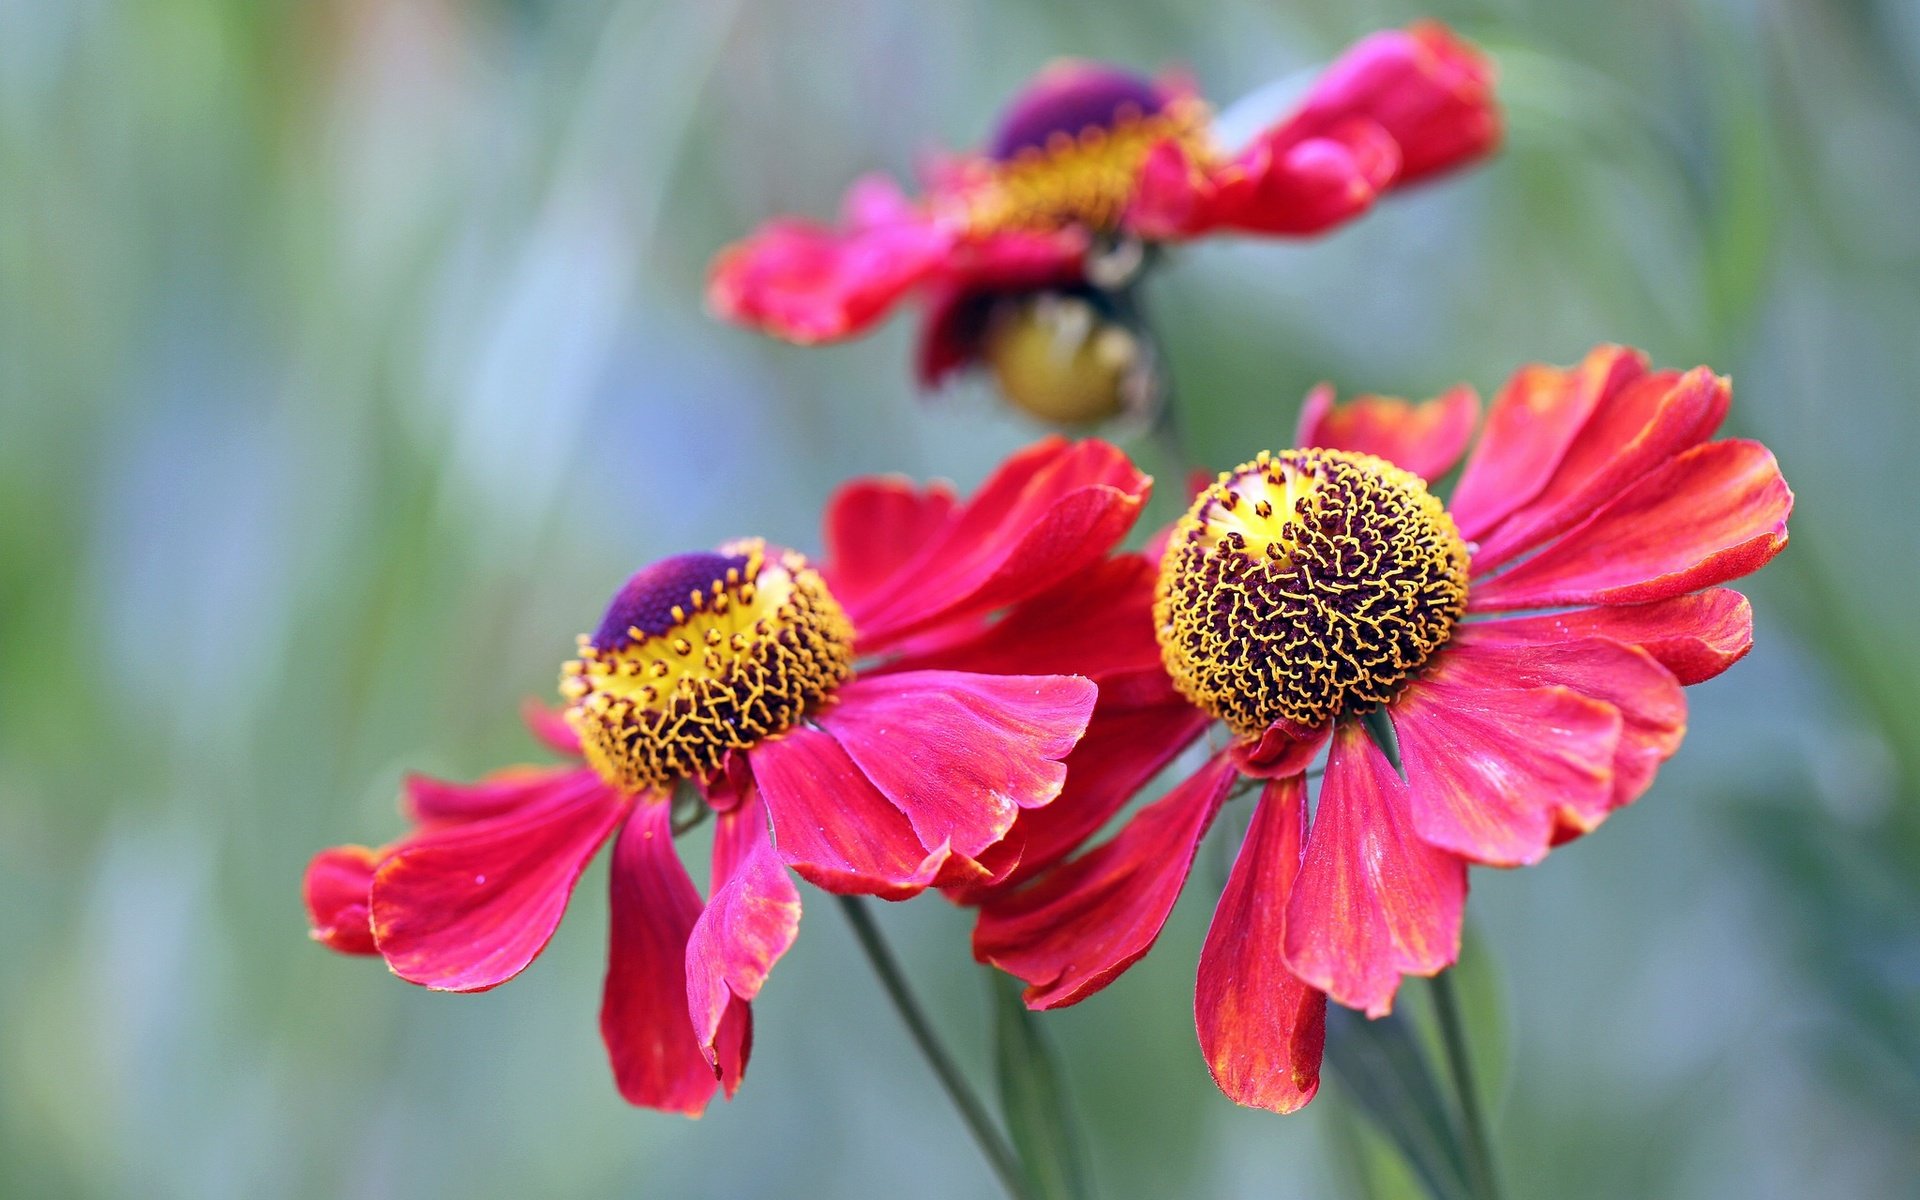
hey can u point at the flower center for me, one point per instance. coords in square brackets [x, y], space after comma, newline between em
[700, 654]
[1069, 151]
[1305, 586]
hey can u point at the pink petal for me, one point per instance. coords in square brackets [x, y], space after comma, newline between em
[1281, 185]
[1533, 422]
[1425, 438]
[1261, 1029]
[1634, 431]
[1373, 901]
[550, 726]
[832, 826]
[1082, 924]
[962, 754]
[750, 921]
[1492, 770]
[1048, 512]
[657, 1061]
[466, 907]
[1695, 636]
[336, 888]
[1653, 710]
[1139, 726]
[1714, 513]
[434, 802]
[873, 526]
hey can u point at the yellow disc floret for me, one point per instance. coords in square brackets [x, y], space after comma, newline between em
[701, 654]
[1307, 585]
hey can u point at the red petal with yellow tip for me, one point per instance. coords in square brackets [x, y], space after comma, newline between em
[750, 920]
[1635, 429]
[1490, 770]
[467, 907]
[1373, 900]
[1533, 421]
[1261, 1029]
[1049, 511]
[961, 754]
[1695, 636]
[832, 825]
[335, 888]
[1075, 930]
[1714, 513]
[1425, 438]
[657, 1061]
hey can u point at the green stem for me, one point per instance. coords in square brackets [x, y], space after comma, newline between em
[886, 968]
[1453, 1039]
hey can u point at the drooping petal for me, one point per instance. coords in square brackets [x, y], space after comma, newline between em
[431, 802]
[809, 283]
[657, 1061]
[1284, 748]
[1653, 710]
[961, 754]
[1139, 726]
[959, 307]
[1695, 636]
[750, 920]
[873, 526]
[466, 907]
[1492, 770]
[1633, 432]
[1373, 901]
[336, 888]
[1531, 424]
[1077, 928]
[1425, 438]
[1714, 513]
[1049, 511]
[1261, 1029]
[832, 825]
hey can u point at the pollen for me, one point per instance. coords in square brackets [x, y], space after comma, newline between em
[1306, 586]
[702, 654]
[1071, 151]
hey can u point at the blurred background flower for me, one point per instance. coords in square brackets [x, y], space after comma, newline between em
[349, 348]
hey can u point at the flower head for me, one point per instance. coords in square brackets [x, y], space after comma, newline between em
[1090, 166]
[785, 702]
[1527, 642]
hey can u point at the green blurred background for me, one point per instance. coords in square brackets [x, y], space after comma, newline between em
[352, 351]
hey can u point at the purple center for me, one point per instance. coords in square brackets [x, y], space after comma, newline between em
[646, 601]
[1067, 99]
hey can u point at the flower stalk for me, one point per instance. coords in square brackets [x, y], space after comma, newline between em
[1482, 1176]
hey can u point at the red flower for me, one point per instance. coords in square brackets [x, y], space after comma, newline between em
[1528, 642]
[1090, 155]
[785, 694]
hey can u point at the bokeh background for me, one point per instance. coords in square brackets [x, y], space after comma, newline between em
[352, 351]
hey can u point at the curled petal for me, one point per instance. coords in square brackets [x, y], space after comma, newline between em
[1261, 1029]
[983, 747]
[1695, 636]
[466, 907]
[657, 1062]
[1714, 513]
[1373, 901]
[1049, 511]
[1083, 923]
[833, 826]
[336, 889]
[1494, 772]
[1279, 185]
[1285, 748]
[749, 922]
[1425, 438]
[1533, 421]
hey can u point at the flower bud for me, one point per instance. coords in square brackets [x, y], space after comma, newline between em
[1059, 358]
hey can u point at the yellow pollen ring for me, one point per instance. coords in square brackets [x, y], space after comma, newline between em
[1087, 179]
[1305, 586]
[746, 657]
